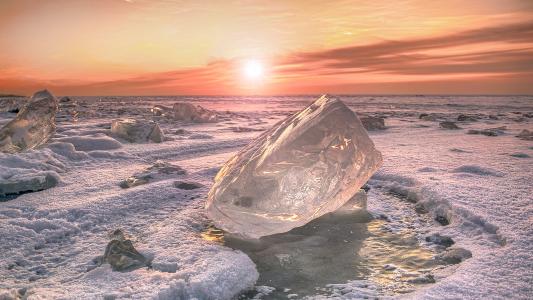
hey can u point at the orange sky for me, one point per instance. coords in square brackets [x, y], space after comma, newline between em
[161, 47]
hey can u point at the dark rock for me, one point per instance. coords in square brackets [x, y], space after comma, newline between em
[454, 255]
[427, 117]
[423, 279]
[244, 129]
[520, 155]
[187, 185]
[181, 131]
[466, 118]
[438, 239]
[487, 132]
[420, 208]
[483, 132]
[442, 220]
[493, 117]
[373, 123]
[448, 125]
[525, 135]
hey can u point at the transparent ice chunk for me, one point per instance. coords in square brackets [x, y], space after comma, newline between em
[33, 125]
[304, 167]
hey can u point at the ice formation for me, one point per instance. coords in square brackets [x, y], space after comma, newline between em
[68, 110]
[12, 104]
[137, 131]
[33, 125]
[304, 167]
[160, 110]
[12, 184]
[121, 254]
[194, 113]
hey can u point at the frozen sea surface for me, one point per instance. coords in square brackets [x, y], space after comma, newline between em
[50, 240]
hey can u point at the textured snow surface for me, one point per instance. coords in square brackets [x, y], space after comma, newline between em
[51, 238]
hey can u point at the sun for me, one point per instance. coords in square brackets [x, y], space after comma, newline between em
[253, 69]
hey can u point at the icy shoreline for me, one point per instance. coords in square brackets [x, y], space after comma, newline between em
[50, 238]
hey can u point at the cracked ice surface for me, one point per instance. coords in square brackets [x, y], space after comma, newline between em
[304, 167]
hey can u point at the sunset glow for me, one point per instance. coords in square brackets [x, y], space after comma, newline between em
[82, 47]
[253, 70]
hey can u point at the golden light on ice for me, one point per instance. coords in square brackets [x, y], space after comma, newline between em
[253, 69]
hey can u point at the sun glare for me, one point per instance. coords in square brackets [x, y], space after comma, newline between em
[253, 69]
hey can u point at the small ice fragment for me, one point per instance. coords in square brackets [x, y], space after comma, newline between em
[307, 165]
[159, 170]
[33, 125]
[122, 256]
[137, 131]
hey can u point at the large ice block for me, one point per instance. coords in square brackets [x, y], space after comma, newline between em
[33, 125]
[304, 167]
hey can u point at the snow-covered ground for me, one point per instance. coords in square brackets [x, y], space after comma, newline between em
[51, 240]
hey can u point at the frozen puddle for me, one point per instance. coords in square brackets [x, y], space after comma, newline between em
[365, 253]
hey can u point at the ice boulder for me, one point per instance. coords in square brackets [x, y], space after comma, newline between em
[33, 125]
[307, 165]
[193, 113]
[137, 131]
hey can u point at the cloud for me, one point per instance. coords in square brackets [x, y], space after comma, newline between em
[413, 57]
[486, 60]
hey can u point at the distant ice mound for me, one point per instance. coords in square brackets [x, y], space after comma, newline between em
[304, 167]
[193, 113]
[33, 125]
[68, 110]
[12, 104]
[137, 131]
